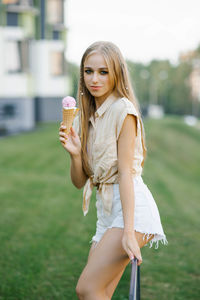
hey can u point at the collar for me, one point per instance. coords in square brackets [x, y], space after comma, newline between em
[104, 106]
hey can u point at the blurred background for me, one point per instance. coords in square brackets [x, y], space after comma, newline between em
[41, 44]
[44, 238]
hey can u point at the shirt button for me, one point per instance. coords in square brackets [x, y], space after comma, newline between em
[96, 114]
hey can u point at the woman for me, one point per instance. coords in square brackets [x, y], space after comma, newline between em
[107, 149]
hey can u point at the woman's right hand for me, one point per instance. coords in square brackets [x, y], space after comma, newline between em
[130, 245]
[70, 142]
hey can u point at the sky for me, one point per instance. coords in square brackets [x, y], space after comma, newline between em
[142, 29]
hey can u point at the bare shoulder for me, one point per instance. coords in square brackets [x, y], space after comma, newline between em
[126, 143]
[129, 127]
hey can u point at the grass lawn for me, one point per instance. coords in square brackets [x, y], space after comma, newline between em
[44, 237]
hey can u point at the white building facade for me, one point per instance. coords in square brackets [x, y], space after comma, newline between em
[33, 76]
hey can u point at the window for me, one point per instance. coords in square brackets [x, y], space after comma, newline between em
[55, 35]
[55, 11]
[24, 55]
[56, 63]
[9, 110]
[16, 56]
[12, 18]
[12, 57]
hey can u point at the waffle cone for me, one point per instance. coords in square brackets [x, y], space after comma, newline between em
[68, 118]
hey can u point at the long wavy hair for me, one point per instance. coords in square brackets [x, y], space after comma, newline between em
[120, 80]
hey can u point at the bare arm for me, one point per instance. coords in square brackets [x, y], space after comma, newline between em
[72, 144]
[78, 176]
[126, 146]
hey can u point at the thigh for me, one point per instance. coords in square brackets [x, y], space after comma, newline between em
[142, 241]
[94, 244]
[106, 261]
[139, 236]
[111, 286]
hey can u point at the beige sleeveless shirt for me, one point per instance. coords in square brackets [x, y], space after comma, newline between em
[104, 132]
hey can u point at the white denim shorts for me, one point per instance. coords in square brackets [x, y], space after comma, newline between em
[146, 214]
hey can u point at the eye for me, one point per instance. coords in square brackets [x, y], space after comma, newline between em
[88, 71]
[104, 72]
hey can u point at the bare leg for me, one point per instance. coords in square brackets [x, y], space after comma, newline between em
[106, 264]
[113, 284]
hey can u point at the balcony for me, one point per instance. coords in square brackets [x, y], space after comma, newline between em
[55, 15]
[20, 6]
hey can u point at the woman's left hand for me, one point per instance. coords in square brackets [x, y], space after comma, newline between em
[130, 245]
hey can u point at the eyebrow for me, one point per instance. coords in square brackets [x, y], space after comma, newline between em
[87, 67]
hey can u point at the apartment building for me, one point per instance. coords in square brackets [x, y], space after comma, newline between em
[33, 76]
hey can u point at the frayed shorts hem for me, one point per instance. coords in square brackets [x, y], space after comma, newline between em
[156, 239]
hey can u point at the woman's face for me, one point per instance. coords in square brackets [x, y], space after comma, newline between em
[96, 77]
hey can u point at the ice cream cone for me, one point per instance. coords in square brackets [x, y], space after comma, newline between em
[68, 118]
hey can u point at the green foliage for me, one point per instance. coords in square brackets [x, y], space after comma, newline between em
[73, 71]
[44, 237]
[164, 84]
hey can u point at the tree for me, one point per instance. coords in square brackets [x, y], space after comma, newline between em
[73, 72]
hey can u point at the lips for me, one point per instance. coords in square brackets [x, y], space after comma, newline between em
[95, 88]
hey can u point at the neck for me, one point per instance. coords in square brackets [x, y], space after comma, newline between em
[100, 100]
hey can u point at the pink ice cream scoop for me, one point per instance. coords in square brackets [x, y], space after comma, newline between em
[69, 111]
[68, 102]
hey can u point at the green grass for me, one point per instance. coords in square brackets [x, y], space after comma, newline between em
[44, 238]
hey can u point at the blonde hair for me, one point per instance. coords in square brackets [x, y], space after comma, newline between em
[119, 76]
